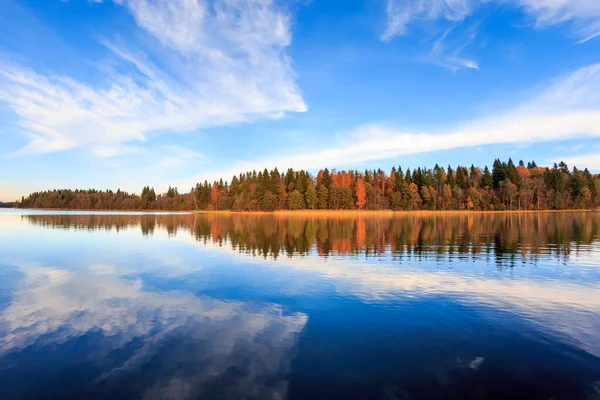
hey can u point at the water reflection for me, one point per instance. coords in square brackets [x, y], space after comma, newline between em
[413, 306]
[168, 345]
[505, 236]
[566, 308]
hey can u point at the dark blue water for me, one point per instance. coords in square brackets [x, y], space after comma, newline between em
[494, 306]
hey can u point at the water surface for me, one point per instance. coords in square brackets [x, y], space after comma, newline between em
[184, 306]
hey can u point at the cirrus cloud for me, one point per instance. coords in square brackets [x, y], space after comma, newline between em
[220, 62]
[582, 16]
[567, 108]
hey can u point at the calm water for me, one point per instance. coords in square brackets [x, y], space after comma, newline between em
[186, 306]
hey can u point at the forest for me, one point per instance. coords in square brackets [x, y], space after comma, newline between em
[507, 186]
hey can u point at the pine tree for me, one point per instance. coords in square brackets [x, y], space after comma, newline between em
[311, 197]
[487, 181]
[322, 197]
[498, 172]
[296, 200]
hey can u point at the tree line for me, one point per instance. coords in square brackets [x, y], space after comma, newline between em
[507, 186]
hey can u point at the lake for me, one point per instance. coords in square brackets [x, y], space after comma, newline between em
[218, 306]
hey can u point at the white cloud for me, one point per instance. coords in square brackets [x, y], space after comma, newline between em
[113, 151]
[221, 62]
[448, 45]
[582, 16]
[449, 55]
[567, 108]
[177, 155]
[589, 161]
[401, 12]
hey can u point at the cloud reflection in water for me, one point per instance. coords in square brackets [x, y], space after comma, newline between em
[230, 349]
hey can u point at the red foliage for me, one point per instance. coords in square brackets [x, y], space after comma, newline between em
[360, 193]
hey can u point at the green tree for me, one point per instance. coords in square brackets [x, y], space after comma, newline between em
[269, 201]
[326, 179]
[172, 192]
[311, 197]
[322, 197]
[296, 200]
[487, 181]
[498, 172]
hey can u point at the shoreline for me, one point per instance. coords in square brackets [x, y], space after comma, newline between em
[313, 212]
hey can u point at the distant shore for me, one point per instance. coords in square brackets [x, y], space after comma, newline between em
[352, 213]
[317, 212]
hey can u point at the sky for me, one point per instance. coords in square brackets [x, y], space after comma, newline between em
[112, 94]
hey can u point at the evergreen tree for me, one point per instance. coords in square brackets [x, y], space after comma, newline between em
[322, 197]
[326, 180]
[498, 172]
[451, 177]
[506, 187]
[296, 201]
[486, 180]
[311, 197]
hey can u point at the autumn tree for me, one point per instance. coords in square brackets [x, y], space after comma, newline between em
[506, 186]
[214, 195]
[360, 193]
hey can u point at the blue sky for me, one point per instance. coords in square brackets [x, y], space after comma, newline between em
[128, 93]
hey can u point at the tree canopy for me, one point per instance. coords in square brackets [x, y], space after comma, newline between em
[507, 186]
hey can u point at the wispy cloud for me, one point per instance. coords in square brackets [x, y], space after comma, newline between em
[568, 108]
[114, 150]
[448, 42]
[177, 155]
[582, 16]
[447, 51]
[221, 62]
[402, 12]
